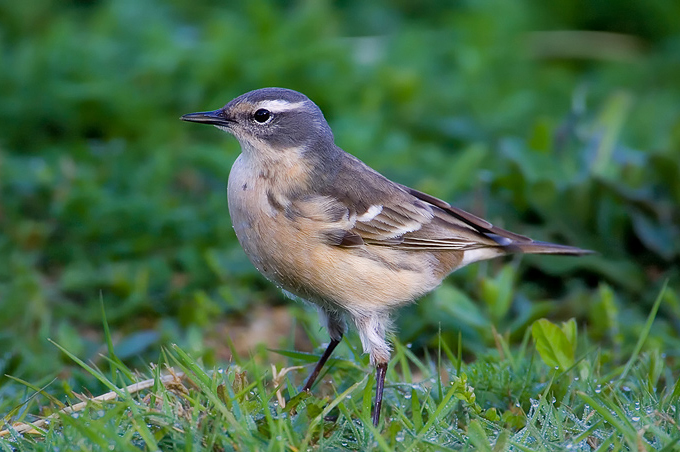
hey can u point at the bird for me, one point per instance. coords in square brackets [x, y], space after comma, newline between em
[328, 229]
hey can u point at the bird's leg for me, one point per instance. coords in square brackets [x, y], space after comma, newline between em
[315, 373]
[372, 330]
[380, 385]
[336, 326]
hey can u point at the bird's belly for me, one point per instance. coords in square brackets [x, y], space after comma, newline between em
[290, 252]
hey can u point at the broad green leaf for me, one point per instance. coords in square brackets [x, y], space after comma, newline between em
[552, 344]
[570, 330]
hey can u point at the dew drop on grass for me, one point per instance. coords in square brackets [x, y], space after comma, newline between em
[553, 400]
[409, 345]
[407, 395]
[598, 389]
[637, 406]
[635, 418]
[534, 403]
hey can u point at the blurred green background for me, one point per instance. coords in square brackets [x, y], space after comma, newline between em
[559, 120]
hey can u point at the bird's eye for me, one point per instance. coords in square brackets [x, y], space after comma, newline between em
[262, 115]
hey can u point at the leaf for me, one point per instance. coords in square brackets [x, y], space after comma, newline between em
[478, 436]
[570, 330]
[465, 166]
[497, 292]
[608, 129]
[656, 236]
[552, 344]
[453, 306]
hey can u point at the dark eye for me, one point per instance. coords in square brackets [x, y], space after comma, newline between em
[262, 115]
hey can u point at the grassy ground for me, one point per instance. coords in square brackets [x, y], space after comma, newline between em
[506, 399]
[108, 204]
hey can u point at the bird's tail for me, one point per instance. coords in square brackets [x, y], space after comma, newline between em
[535, 247]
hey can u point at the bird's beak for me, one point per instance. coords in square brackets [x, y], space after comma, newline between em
[215, 118]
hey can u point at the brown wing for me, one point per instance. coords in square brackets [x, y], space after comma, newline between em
[472, 221]
[384, 213]
[417, 224]
[510, 241]
[381, 212]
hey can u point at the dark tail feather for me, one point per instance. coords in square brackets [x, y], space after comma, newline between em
[545, 248]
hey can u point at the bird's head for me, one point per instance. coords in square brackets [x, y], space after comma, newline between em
[272, 118]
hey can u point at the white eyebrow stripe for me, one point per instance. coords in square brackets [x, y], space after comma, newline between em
[370, 214]
[278, 105]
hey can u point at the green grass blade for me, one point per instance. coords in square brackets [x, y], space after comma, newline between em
[645, 332]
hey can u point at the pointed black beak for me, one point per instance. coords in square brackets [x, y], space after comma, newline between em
[215, 118]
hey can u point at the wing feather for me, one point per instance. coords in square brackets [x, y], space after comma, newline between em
[385, 213]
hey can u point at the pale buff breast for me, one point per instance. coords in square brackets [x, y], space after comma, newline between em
[289, 250]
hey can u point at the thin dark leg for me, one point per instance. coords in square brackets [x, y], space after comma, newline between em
[380, 379]
[315, 373]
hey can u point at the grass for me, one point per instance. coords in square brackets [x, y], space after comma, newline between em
[436, 402]
[507, 110]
